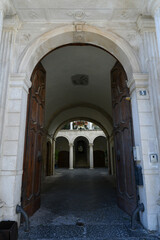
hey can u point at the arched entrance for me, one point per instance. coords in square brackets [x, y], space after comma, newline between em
[81, 152]
[100, 152]
[128, 57]
[122, 127]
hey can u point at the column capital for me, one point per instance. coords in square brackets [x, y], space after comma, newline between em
[20, 80]
[7, 7]
[12, 23]
[139, 80]
[153, 6]
[91, 144]
[146, 24]
[71, 144]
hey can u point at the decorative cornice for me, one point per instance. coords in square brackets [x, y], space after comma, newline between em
[20, 80]
[139, 80]
[146, 24]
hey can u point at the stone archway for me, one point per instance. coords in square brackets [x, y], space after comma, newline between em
[48, 42]
[112, 43]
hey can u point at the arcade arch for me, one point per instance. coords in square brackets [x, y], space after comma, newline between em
[62, 152]
[87, 137]
[101, 150]
[81, 152]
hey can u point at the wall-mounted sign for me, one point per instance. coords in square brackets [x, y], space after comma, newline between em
[143, 92]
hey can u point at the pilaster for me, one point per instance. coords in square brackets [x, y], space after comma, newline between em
[13, 143]
[146, 141]
[1, 23]
[154, 10]
[6, 60]
[147, 28]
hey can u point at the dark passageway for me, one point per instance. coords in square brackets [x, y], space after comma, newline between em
[81, 204]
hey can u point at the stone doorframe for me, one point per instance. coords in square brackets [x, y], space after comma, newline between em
[15, 114]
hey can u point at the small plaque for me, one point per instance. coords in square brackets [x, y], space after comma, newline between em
[143, 92]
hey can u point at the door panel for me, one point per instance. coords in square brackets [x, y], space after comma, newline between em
[33, 144]
[63, 159]
[99, 159]
[123, 138]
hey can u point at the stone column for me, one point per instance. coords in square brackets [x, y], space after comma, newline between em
[91, 156]
[71, 125]
[71, 156]
[90, 126]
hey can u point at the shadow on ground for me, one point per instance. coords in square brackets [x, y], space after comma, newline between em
[81, 204]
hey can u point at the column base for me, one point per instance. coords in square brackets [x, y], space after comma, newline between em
[71, 168]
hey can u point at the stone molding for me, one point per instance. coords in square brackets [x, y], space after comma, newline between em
[146, 24]
[139, 80]
[12, 23]
[37, 49]
[20, 80]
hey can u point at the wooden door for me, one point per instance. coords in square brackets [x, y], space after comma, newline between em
[123, 138]
[99, 159]
[63, 159]
[33, 142]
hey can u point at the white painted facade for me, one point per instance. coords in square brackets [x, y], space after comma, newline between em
[129, 30]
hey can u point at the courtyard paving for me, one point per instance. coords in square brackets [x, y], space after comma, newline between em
[81, 204]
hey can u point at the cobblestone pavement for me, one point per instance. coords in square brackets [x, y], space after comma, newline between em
[81, 204]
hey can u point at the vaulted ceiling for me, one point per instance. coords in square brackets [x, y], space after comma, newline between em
[63, 95]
